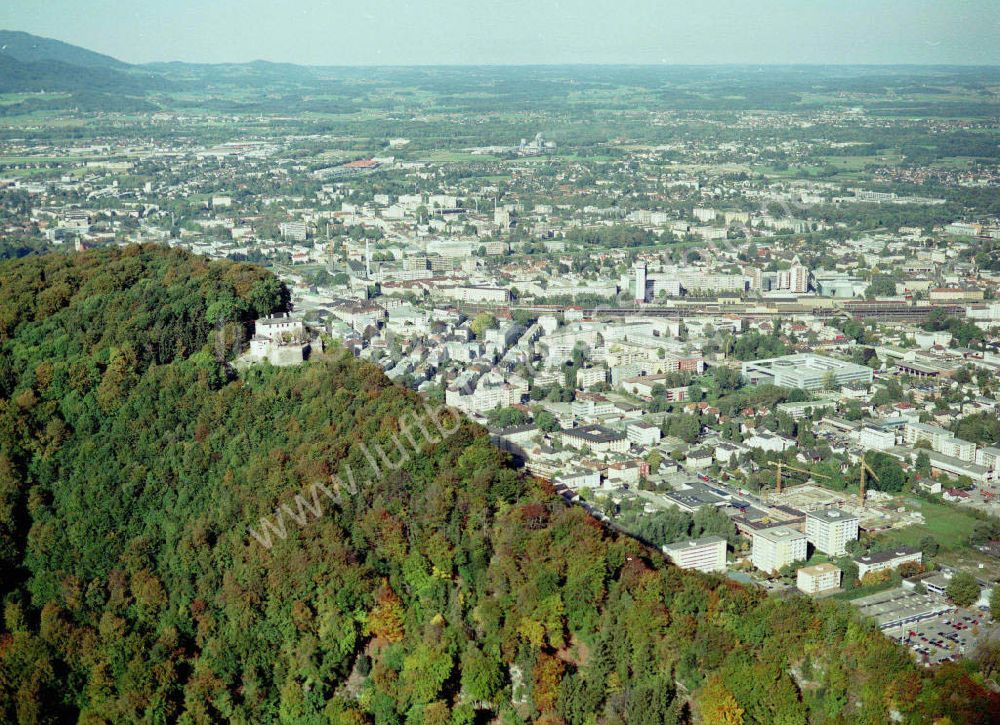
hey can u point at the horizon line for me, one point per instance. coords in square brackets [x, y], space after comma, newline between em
[524, 64]
[617, 64]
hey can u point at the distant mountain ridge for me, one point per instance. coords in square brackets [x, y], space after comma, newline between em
[32, 64]
[27, 48]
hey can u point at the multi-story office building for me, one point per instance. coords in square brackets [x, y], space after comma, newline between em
[640, 281]
[806, 371]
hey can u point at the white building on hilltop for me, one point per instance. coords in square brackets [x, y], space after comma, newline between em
[281, 340]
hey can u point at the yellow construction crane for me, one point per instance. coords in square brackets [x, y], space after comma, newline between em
[865, 468]
[781, 465]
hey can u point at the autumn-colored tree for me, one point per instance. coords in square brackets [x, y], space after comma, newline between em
[548, 673]
[133, 461]
[717, 704]
[385, 620]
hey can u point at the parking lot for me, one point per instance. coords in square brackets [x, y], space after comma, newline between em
[946, 637]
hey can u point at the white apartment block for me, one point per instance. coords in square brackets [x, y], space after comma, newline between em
[876, 439]
[988, 458]
[597, 438]
[670, 287]
[591, 404]
[476, 294]
[640, 281]
[704, 280]
[770, 442]
[883, 560]
[643, 434]
[707, 554]
[490, 395]
[940, 439]
[829, 530]
[293, 231]
[813, 580]
[589, 377]
[778, 547]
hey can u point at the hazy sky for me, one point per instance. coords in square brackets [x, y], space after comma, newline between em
[363, 32]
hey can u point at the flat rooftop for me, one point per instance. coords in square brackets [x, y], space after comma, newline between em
[818, 363]
[819, 569]
[898, 605]
[692, 543]
[831, 515]
[778, 534]
[882, 556]
[594, 434]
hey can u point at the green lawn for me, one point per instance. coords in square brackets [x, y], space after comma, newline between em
[950, 526]
[446, 156]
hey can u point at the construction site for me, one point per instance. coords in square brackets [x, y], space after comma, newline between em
[879, 513]
[875, 510]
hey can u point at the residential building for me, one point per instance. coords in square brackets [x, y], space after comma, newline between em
[886, 560]
[643, 434]
[940, 439]
[876, 439]
[777, 547]
[596, 437]
[293, 231]
[770, 442]
[589, 377]
[829, 530]
[640, 281]
[989, 458]
[818, 578]
[707, 554]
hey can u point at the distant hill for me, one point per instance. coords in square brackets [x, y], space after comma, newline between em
[52, 75]
[32, 64]
[28, 48]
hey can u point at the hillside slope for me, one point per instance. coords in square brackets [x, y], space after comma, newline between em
[135, 471]
[32, 64]
[28, 48]
[51, 76]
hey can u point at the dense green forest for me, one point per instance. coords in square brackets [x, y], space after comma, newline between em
[133, 463]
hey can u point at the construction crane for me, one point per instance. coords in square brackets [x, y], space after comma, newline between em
[781, 465]
[865, 468]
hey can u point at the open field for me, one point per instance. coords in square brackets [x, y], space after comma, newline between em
[949, 526]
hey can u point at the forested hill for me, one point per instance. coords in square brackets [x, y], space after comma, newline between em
[28, 48]
[454, 590]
